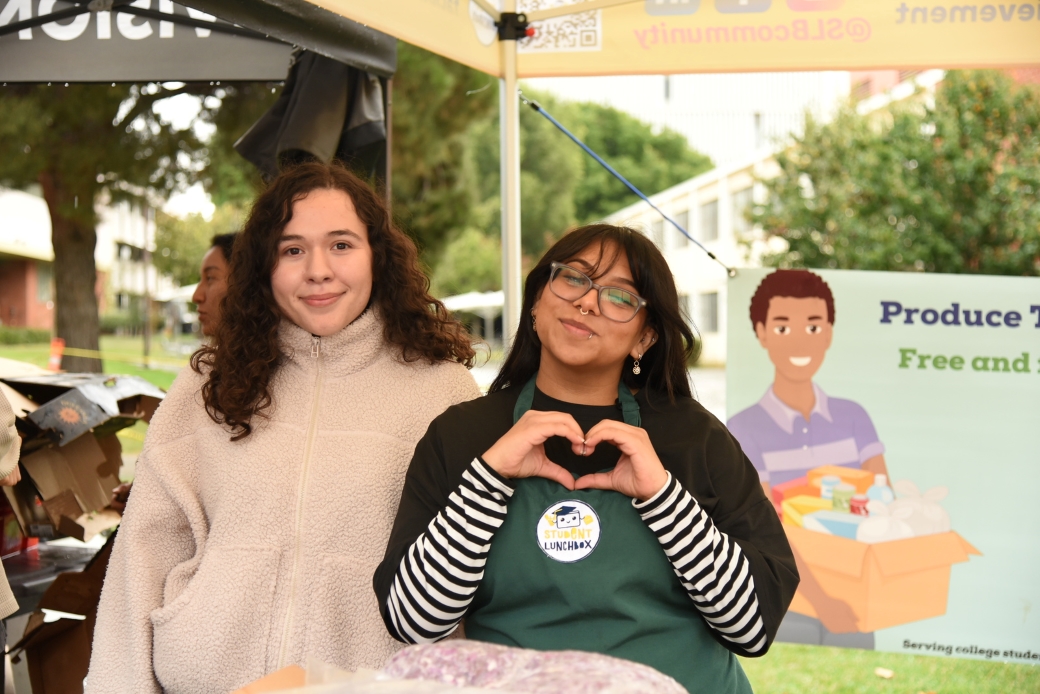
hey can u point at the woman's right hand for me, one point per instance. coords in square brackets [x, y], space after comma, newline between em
[521, 453]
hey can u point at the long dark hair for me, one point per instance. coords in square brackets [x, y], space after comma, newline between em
[245, 354]
[663, 368]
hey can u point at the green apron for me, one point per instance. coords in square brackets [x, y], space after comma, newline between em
[579, 570]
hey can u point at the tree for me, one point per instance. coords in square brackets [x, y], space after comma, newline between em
[435, 102]
[560, 185]
[471, 262]
[651, 161]
[77, 142]
[232, 110]
[181, 243]
[949, 187]
[550, 170]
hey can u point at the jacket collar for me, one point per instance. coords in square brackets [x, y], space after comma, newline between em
[352, 349]
[784, 416]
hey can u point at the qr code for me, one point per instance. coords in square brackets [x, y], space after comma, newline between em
[581, 31]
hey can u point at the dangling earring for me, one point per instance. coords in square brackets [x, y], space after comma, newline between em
[635, 365]
[534, 322]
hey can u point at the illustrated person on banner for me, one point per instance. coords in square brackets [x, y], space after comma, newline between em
[796, 426]
[589, 502]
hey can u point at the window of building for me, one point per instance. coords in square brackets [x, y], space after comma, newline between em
[742, 201]
[686, 308]
[44, 283]
[657, 232]
[683, 220]
[709, 322]
[710, 221]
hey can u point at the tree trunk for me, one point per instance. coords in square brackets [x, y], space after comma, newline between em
[74, 237]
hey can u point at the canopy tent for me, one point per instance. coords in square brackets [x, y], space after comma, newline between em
[611, 37]
[197, 40]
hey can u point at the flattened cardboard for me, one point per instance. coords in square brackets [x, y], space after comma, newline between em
[87, 525]
[885, 584]
[58, 653]
[64, 504]
[75, 468]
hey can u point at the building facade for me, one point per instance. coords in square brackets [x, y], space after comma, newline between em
[125, 235]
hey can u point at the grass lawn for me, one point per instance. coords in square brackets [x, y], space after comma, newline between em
[792, 669]
[123, 355]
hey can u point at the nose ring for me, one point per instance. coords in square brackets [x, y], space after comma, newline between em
[583, 312]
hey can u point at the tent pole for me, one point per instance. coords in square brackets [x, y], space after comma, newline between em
[509, 118]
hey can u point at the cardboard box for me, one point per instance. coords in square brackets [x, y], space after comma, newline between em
[70, 453]
[885, 584]
[58, 652]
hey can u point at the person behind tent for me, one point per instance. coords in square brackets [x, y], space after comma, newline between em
[795, 426]
[589, 502]
[213, 279]
[210, 291]
[270, 473]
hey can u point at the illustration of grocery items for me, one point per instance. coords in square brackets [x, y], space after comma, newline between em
[880, 491]
[891, 566]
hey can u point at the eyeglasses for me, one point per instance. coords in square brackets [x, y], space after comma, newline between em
[615, 303]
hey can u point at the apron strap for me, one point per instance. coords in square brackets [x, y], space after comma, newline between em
[629, 406]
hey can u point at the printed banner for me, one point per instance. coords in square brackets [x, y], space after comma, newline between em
[893, 420]
[119, 47]
[681, 36]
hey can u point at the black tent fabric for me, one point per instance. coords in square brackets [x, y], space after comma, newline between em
[327, 110]
[311, 27]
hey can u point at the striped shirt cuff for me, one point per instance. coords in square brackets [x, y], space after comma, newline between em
[712, 568]
[440, 572]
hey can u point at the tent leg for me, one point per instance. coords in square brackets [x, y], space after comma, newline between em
[509, 117]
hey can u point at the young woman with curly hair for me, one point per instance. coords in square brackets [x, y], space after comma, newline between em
[589, 502]
[271, 473]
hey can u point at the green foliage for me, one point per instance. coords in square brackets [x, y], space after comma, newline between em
[651, 161]
[181, 243]
[23, 336]
[560, 185]
[92, 137]
[549, 174]
[233, 109]
[952, 187]
[470, 262]
[435, 102]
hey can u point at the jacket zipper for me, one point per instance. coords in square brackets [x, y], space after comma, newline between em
[300, 494]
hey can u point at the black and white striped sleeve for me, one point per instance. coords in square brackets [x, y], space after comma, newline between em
[712, 567]
[440, 571]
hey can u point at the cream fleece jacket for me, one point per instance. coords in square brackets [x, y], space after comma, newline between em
[237, 559]
[10, 447]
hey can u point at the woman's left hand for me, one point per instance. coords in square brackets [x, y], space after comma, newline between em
[638, 474]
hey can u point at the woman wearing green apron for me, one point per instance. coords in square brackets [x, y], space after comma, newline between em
[588, 501]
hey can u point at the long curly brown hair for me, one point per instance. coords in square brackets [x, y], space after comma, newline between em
[244, 354]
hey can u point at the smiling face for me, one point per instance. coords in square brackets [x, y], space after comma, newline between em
[211, 289]
[590, 342]
[796, 334]
[322, 280]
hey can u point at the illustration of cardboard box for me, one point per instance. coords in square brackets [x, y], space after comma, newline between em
[885, 584]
